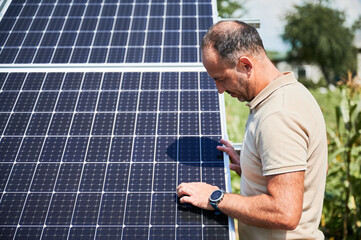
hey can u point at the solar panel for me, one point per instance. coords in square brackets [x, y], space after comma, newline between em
[98, 154]
[45, 32]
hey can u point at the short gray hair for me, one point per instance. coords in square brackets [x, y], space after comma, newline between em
[232, 42]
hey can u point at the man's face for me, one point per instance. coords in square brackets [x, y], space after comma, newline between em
[228, 79]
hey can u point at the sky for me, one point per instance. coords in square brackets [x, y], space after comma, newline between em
[271, 14]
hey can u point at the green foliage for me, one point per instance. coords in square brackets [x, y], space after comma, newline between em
[317, 34]
[227, 8]
[342, 213]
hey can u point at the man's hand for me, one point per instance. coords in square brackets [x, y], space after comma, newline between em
[233, 156]
[196, 193]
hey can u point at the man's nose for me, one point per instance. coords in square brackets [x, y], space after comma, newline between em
[220, 88]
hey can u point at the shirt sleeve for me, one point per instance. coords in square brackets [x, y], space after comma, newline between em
[282, 143]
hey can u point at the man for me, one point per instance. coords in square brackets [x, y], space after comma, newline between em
[283, 161]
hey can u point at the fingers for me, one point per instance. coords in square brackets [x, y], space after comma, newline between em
[226, 143]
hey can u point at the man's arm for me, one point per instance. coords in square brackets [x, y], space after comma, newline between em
[280, 208]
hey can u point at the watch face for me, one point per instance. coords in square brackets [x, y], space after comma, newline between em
[216, 195]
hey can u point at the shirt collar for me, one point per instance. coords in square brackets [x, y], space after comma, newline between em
[287, 78]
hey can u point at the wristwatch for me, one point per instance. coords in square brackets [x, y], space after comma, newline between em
[215, 198]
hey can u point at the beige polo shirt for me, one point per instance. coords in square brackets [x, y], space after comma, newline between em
[285, 132]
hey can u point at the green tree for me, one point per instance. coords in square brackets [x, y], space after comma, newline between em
[317, 35]
[227, 8]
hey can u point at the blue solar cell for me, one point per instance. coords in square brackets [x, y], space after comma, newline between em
[3, 37]
[116, 55]
[55, 233]
[15, 39]
[81, 124]
[143, 150]
[122, 23]
[112, 210]
[7, 23]
[121, 149]
[209, 124]
[61, 10]
[171, 38]
[136, 39]
[92, 10]
[204, 10]
[46, 101]
[164, 209]
[3, 120]
[38, 124]
[86, 209]
[141, 175]
[209, 101]
[216, 233]
[25, 55]
[98, 149]
[20, 179]
[91, 81]
[172, 24]
[14, 81]
[53, 81]
[162, 233]
[138, 210]
[146, 124]
[205, 23]
[167, 124]
[189, 149]
[108, 101]
[17, 124]
[169, 80]
[39, 24]
[62, 55]
[28, 233]
[72, 81]
[13, 11]
[138, 24]
[52, 149]
[189, 80]
[189, 233]
[73, 23]
[92, 177]
[10, 208]
[84, 39]
[111, 81]
[8, 55]
[189, 38]
[89, 24]
[33, 81]
[189, 124]
[75, 149]
[119, 39]
[29, 11]
[7, 99]
[155, 24]
[166, 149]
[80, 55]
[67, 101]
[45, 10]
[140, 233]
[165, 178]
[128, 101]
[131, 81]
[5, 169]
[50, 39]
[189, 23]
[67, 39]
[117, 177]
[56, 24]
[61, 209]
[188, 215]
[154, 39]
[104, 233]
[213, 173]
[36, 208]
[168, 101]
[76, 10]
[150, 81]
[26, 101]
[156, 10]
[44, 177]
[102, 39]
[30, 149]
[170, 54]
[109, 10]
[189, 9]
[9, 148]
[148, 101]
[189, 101]
[152, 54]
[173, 10]
[98, 55]
[60, 124]
[189, 54]
[68, 177]
[125, 10]
[124, 124]
[87, 101]
[140, 10]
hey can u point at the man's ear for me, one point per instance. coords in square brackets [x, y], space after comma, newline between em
[245, 64]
